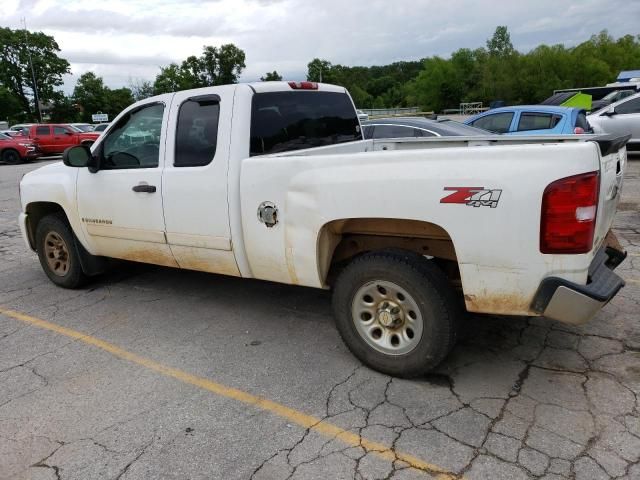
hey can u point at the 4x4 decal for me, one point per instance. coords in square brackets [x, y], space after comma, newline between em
[472, 196]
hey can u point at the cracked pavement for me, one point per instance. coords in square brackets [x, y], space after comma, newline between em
[518, 398]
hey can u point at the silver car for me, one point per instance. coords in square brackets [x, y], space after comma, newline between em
[620, 118]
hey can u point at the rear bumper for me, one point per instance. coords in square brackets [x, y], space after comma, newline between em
[569, 302]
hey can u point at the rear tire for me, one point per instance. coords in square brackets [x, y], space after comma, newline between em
[11, 157]
[57, 252]
[397, 313]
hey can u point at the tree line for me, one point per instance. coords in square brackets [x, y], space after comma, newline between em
[496, 71]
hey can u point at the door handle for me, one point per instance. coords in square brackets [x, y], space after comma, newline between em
[144, 188]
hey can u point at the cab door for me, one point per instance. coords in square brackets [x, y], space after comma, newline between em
[42, 136]
[194, 181]
[120, 205]
[63, 138]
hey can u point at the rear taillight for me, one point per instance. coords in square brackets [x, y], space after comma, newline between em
[569, 208]
[578, 130]
[304, 85]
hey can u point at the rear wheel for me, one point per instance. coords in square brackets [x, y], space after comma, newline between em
[11, 157]
[397, 313]
[57, 253]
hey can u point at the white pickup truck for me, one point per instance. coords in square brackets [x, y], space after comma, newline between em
[273, 181]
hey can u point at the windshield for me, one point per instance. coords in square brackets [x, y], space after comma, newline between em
[83, 128]
[4, 136]
[284, 121]
[610, 96]
[74, 128]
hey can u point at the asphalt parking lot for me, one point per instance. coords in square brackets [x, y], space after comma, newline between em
[157, 373]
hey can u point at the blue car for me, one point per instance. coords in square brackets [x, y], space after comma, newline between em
[532, 120]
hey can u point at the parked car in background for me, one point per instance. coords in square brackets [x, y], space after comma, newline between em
[362, 116]
[622, 118]
[22, 127]
[13, 133]
[610, 98]
[101, 127]
[417, 127]
[53, 138]
[533, 120]
[14, 150]
[83, 127]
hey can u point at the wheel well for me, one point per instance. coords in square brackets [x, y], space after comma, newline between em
[340, 241]
[36, 211]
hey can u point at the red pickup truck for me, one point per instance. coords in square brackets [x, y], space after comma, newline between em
[14, 150]
[56, 138]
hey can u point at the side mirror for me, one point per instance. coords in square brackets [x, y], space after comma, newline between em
[68, 133]
[610, 111]
[77, 156]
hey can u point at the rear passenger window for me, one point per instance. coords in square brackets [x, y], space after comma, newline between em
[537, 121]
[42, 130]
[197, 132]
[497, 122]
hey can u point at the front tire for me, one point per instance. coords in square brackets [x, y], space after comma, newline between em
[396, 313]
[57, 253]
[11, 157]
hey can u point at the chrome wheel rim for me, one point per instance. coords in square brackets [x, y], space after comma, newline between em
[387, 317]
[56, 253]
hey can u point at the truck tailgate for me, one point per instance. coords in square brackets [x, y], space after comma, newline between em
[613, 163]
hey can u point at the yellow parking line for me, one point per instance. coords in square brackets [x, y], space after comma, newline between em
[295, 416]
[632, 280]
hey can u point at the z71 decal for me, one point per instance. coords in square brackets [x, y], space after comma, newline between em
[472, 196]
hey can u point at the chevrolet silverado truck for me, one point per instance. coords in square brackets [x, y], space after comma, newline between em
[274, 181]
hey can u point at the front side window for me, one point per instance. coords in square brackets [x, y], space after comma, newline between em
[285, 121]
[60, 130]
[197, 132]
[42, 130]
[496, 122]
[134, 142]
[631, 106]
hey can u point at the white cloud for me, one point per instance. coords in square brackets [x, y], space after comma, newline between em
[123, 39]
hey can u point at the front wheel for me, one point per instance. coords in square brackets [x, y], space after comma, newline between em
[396, 312]
[11, 157]
[57, 253]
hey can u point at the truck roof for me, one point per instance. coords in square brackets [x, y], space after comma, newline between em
[262, 87]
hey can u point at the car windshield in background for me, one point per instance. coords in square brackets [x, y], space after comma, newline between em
[4, 136]
[75, 129]
[84, 128]
[284, 121]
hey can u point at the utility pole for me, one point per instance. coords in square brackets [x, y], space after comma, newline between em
[33, 73]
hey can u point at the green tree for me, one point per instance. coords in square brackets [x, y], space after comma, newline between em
[64, 108]
[319, 70]
[141, 89]
[216, 66]
[10, 107]
[15, 70]
[499, 44]
[90, 94]
[271, 77]
[117, 100]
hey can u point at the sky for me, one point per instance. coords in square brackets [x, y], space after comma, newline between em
[126, 41]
